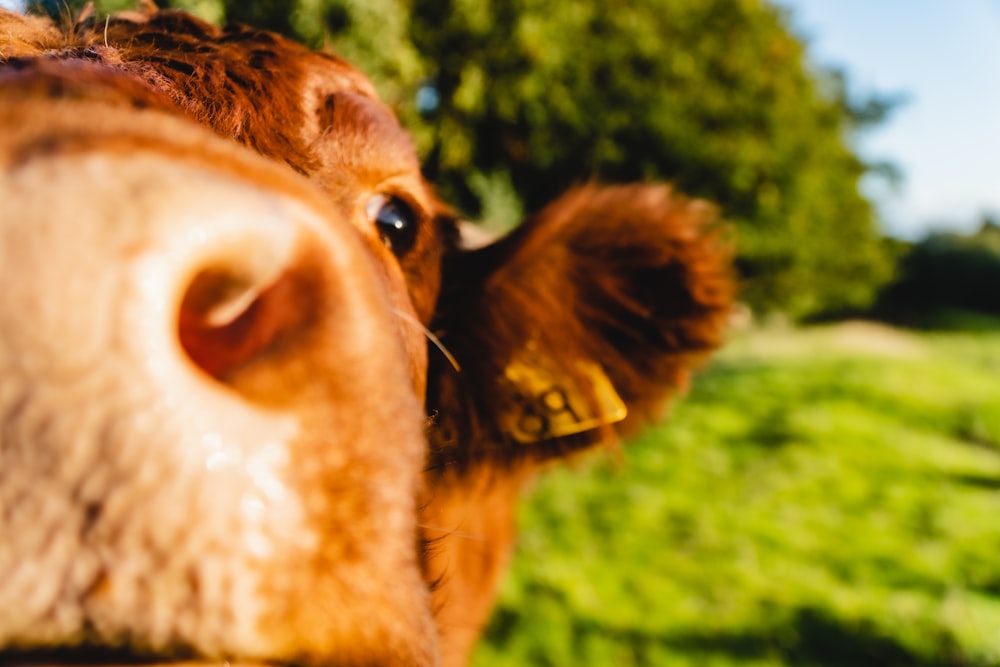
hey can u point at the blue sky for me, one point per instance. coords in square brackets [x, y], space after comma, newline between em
[945, 55]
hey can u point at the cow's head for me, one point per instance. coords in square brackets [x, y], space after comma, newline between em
[265, 405]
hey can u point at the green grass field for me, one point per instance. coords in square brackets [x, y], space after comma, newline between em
[828, 496]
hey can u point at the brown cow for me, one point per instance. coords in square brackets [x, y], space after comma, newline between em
[223, 435]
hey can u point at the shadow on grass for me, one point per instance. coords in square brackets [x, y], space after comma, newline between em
[984, 482]
[972, 427]
[811, 637]
[814, 638]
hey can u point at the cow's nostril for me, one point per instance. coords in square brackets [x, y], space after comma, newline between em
[227, 321]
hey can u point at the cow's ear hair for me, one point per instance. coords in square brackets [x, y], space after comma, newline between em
[599, 306]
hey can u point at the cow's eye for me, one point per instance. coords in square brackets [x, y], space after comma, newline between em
[395, 221]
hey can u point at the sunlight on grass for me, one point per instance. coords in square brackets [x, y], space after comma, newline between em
[823, 497]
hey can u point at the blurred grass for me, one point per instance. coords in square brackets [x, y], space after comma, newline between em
[823, 497]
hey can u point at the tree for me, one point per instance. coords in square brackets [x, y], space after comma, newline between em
[942, 276]
[713, 95]
[511, 101]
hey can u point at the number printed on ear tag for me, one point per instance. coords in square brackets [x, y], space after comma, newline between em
[547, 406]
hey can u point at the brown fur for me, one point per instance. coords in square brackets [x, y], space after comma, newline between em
[632, 279]
[299, 374]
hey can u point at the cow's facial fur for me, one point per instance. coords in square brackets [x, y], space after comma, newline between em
[324, 382]
[175, 511]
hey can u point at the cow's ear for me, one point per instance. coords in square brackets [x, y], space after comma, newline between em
[580, 324]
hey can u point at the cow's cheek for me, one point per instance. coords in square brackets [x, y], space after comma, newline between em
[264, 509]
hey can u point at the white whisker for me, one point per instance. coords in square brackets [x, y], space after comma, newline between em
[403, 315]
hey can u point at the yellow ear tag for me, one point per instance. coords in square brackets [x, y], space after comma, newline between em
[545, 406]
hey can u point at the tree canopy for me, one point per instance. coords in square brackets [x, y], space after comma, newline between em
[511, 101]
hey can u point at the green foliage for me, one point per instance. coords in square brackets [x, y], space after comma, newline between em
[822, 498]
[944, 275]
[713, 95]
